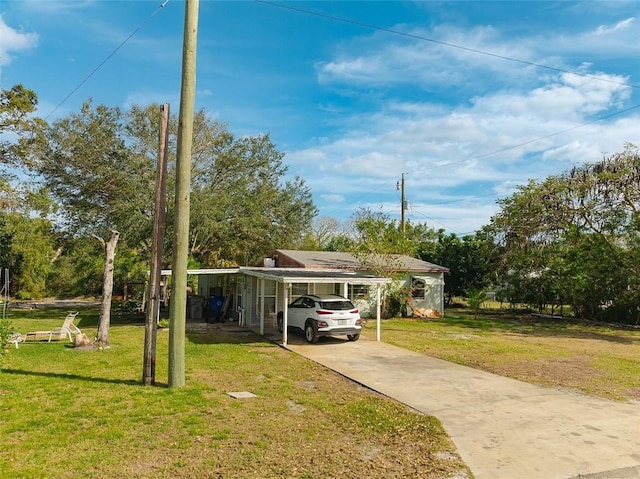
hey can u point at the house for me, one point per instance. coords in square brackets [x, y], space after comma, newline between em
[253, 295]
[425, 279]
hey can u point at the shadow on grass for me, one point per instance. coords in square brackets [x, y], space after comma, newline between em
[75, 377]
[226, 336]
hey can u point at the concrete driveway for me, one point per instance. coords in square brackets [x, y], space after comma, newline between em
[503, 428]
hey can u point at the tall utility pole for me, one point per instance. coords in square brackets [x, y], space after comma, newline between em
[403, 204]
[153, 308]
[178, 310]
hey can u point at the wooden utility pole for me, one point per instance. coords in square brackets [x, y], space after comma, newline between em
[403, 205]
[178, 310]
[153, 308]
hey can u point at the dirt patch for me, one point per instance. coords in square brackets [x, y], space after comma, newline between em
[591, 358]
[564, 372]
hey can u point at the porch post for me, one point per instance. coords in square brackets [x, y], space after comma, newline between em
[285, 318]
[262, 306]
[377, 312]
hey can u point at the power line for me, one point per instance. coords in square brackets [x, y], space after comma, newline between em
[512, 147]
[446, 44]
[107, 59]
[476, 51]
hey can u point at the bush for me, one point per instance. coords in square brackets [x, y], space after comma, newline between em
[6, 330]
[475, 298]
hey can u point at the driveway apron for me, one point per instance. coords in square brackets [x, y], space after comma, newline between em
[503, 428]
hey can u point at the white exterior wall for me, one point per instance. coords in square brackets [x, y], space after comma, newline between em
[434, 294]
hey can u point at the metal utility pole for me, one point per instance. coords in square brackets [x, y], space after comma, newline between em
[153, 308]
[178, 310]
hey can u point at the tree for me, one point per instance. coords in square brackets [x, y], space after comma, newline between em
[77, 269]
[379, 243]
[323, 230]
[99, 165]
[470, 260]
[575, 236]
[27, 250]
[241, 207]
[18, 132]
[104, 188]
[15, 106]
[27, 239]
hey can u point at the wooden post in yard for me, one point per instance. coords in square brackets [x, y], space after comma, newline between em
[178, 310]
[153, 308]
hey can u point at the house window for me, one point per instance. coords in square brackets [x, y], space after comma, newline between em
[298, 289]
[418, 288]
[358, 291]
[269, 299]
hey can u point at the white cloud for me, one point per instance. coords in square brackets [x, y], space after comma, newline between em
[454, 58]
[626, 24]
[55, 7]
[496, 140]
[14, 41]
[147, 97]
[333, 198]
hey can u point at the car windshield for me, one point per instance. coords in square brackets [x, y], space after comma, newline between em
[336, 305]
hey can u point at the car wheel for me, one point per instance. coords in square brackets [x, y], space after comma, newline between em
[311, 332]
[353, 337]
[280, 322]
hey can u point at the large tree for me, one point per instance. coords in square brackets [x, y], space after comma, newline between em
[470, 260]
[378, 241]
[574, 237]
[104, 188]
[243, 205]
[100, 163]
[16, 121]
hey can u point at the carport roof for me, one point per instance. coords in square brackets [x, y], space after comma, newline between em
[295, 275]
[299, 275]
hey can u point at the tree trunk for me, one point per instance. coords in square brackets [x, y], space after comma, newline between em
[107, 288]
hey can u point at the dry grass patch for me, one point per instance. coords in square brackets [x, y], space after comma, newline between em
[595, 359]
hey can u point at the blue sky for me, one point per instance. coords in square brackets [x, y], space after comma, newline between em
[449, 93]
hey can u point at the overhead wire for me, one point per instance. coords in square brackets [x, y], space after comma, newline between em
[475, 51]
[439, 42]
[86, 78]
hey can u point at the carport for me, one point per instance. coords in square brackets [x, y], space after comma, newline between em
[289, 276]
[283, 279]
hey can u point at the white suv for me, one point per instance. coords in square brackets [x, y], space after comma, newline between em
[323, 315]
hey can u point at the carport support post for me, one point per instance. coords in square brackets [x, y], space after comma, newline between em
[285, 319]
[377, 312]
[261, 306]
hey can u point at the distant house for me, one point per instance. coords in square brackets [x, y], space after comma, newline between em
[253, 295]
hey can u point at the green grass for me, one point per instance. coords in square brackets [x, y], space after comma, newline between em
[69, 413]
[595, 359]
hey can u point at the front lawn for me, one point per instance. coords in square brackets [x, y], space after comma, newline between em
[595, 359]
[69, 413]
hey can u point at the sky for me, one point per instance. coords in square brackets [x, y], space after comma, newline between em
[465, 99]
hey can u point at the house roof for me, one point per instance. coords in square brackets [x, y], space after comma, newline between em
[342, 260]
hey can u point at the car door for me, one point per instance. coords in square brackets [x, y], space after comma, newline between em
[308, 310]
[295, 313]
